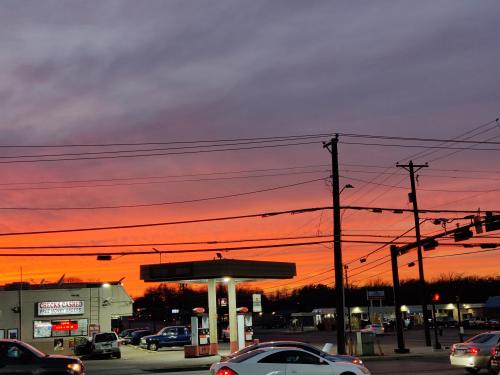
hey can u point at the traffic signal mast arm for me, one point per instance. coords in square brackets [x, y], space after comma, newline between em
[431, 240]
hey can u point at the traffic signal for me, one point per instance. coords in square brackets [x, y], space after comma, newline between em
[491, 222]
[430, 244]
[435, 297]
[462, 234]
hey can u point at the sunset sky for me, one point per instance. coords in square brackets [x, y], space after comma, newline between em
[145, 73]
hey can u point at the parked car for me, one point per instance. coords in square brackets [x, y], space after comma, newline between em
[477, 323]
[17, 357]
[377, 329]
[296, 344]
[105, 343]
[493, 324]
[495, 360]
[446, 321]
[127, 332]
[134, 338]
[284, 360]
[475, 353]
[225, 335]
[168, 336]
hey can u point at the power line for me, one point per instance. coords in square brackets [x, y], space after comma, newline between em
[163, 176]
[162, 203]
[222, 218]
[418, 146]
[153, 252]
[420, 189]
[156, 154]
[147, 183]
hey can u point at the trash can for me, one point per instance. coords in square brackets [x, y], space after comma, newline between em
[365, 343]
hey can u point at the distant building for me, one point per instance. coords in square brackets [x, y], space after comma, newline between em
[42, 315]
[493, 307]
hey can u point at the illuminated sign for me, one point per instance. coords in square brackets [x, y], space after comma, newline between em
[65, 325]
[60, 308]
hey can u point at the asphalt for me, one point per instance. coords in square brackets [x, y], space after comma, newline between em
[172, 359]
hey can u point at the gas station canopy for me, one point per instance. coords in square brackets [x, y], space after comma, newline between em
[218, 269]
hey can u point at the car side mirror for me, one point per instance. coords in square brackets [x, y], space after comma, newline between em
[323, 361]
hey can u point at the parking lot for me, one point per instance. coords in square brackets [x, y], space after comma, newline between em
[419, 361]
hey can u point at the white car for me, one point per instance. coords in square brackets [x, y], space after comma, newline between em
[377, 329]
[475, 353]
[284, 361]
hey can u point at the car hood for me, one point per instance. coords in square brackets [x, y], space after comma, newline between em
[339, 357]
[61, 359]
[150, 337]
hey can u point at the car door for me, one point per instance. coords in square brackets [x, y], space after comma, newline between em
[184, 336]
[170, 337]
[16, 360]
[302, 363]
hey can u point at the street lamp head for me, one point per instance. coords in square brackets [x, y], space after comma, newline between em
[349, 186]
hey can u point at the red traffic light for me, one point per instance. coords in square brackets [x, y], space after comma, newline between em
[435, 297]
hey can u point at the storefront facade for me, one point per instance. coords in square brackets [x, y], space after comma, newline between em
[51, 317]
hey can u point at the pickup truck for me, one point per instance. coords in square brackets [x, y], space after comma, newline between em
[168, 336]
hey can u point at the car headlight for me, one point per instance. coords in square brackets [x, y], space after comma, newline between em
[75, 367]
[357, 361]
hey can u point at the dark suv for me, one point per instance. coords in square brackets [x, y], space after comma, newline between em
[168, 336]
[17, 357]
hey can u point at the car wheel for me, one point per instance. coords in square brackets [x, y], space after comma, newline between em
[153, 346]
[118, 355]
[492, 371]
[472, 370]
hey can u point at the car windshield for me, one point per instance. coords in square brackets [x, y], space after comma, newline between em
[104, 337]
[34, 350]
[480, 339]
[243, 357]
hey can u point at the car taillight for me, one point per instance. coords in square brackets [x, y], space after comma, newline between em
[473, 351]
[493, 351]
[226, 371]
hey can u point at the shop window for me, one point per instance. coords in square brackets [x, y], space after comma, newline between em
[55, 328]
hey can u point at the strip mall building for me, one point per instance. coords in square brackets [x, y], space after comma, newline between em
[52, 316]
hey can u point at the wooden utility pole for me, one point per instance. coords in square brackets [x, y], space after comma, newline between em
[423, 292]
[337, 246]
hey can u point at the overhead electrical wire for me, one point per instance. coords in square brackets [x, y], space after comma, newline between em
[140, 205]
[148, 183]
[221, 218]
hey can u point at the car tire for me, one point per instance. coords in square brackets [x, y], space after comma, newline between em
[153, 346]
[472, 370]
[118, 355]
[490, 370]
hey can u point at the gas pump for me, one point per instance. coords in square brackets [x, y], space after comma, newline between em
[200, 335]
[245, 327]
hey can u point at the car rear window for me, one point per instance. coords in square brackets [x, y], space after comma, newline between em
[104, 337]
[480, 339]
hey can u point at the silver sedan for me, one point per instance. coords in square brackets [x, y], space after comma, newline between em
[475, 353]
